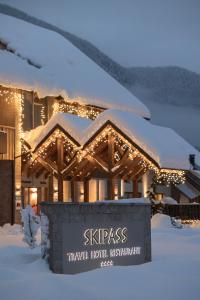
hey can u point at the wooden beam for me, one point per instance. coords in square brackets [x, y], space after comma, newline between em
[51, 163]
[60, 165]
[101, 147]
[101, 162]
[89, 174]
[39, 173]
[139, 173]
[66, 172]
[123, 169]
[81, 166]
[34, 169]
[46, 175]
[25, 166]
[130, 168]
[46, 165]
[110, 152]
[60, 154]
[136, 171]
[88, 169]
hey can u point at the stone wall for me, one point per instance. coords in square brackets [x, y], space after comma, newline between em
[86, 236]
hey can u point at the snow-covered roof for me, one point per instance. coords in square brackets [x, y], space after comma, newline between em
[162, 144]
[188, 190]
[47, 63]
[72, 124]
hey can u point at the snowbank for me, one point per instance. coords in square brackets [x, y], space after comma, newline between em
[9, 229]
[175, 264]
[127, 201]
[169, 200]
[160, 221]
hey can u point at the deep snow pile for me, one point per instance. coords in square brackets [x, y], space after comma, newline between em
[44, 61]
[173, 273]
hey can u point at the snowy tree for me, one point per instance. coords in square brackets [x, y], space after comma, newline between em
[31, 223]
[44, 235]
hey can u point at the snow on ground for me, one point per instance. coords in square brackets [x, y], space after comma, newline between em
[173, 273]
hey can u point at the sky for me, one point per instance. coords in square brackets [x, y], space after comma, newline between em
[132, 32]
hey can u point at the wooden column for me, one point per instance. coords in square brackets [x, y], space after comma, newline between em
[110, 185]
[60, 187]
[22, 197]
[50, 188]
[72, 191]
[60, 163]
[111, 188]
[135, 187]
[86, 190]
[110, 152]
[39, 198]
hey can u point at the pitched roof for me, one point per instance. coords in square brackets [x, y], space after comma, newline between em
[163, 145]
[44, 61]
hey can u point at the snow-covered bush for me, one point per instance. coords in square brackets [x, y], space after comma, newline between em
[31, 223]
[44, 235]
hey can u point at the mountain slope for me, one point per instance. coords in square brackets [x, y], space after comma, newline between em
[131, 32]
[170, 85]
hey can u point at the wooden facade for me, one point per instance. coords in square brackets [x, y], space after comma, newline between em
[59, 168]
[106, 163]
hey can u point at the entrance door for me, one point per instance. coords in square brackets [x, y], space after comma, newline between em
[30, 196]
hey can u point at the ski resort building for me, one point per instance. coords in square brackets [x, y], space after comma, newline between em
[70, 132]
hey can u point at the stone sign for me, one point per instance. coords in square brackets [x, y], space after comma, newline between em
[86, 236]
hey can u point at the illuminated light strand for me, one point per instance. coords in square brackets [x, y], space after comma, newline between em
[75, 108]
[43, 115]
[162, 176]
[16, 98]
[50, 142]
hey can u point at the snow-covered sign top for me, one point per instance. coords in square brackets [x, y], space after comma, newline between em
[162, 144]
[63, 69]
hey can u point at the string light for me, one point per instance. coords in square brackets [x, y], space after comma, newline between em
[51, 142]
[73, 107]
[43, 115]
[15, 98]
[162, 176]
